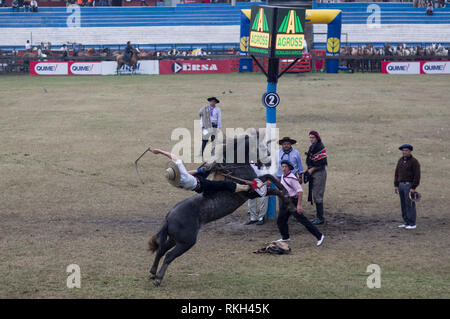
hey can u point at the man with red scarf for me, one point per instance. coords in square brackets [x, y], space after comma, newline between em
[316, 160]
[295, 192]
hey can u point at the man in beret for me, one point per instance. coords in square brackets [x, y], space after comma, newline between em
[406, 180]
[295, 192]
[210, 121]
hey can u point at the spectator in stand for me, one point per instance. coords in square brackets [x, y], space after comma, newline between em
[80, 3]
[34, 6]
[28, 46]
[26, 6]
[65, 51]
[143, 3]
[90, 3]
[2, 3]
[430, 8]
[40, 54]
[15, 5]
[20, 3]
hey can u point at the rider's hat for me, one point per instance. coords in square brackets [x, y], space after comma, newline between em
[172, 173]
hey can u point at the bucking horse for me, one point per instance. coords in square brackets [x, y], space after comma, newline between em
[182, 223]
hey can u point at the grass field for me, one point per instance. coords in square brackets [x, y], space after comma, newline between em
[69, 193]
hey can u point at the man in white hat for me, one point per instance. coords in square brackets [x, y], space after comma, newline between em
[195, 180]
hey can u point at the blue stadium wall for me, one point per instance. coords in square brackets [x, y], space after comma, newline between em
[211, 25]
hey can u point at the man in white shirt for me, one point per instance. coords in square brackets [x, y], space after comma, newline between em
[210, 121]
[28, 46]
[34, 6]
[257, 217]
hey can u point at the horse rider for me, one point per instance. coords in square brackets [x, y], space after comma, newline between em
[195, 180]
[128, 52]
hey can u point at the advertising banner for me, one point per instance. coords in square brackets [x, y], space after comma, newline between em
[142, 67]
[435, 67]
[85, 68]
[400, 67]
[49, 68]
[290, 38]
[261, 29]
[194, 66]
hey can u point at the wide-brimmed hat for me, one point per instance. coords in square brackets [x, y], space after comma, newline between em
[408, 146]
[287, 139]
[172, 173]
[415, 197]
[213, 98]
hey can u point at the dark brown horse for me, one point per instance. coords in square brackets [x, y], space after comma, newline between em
[184, 220]
[132, 63]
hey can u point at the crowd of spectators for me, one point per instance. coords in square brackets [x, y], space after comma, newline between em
[90, 3]
[27, 5]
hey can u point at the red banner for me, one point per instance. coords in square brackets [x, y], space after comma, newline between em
[194, 66]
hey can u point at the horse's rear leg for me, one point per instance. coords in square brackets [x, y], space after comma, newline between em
[179, 249]
[165, 247]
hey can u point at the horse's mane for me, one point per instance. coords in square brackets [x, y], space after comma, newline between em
[247, 147]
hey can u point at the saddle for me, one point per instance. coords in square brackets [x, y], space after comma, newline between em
[127, 57]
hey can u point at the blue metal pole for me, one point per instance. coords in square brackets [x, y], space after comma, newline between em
[271, 122]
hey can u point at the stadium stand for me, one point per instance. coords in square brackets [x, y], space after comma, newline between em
[212, 26]
[187, 25]
[396, 23]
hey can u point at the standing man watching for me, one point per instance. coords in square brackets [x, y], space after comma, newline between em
[288, 153]
[316, 159]
[210, 121]
[257, 217]
[406, 180]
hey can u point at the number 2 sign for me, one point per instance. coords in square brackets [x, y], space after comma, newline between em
[271, 99]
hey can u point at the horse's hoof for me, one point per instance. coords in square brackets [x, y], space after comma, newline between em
[151, 277]
[157, 282]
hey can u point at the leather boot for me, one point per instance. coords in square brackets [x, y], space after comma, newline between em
[319, 220]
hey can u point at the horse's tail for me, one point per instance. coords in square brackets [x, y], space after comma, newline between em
[156, 240]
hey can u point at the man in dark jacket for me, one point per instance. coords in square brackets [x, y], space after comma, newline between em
[406, 180]
[316, 160]
[128, 52]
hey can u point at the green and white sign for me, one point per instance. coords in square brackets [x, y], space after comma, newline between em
[290, 35]
[261, 25]
[277, 31]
